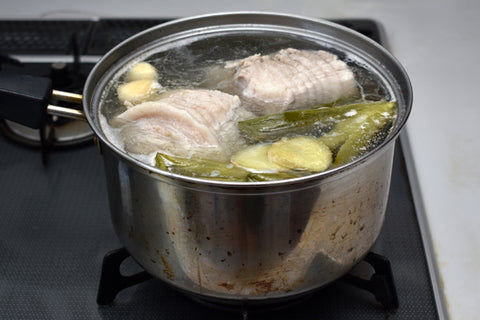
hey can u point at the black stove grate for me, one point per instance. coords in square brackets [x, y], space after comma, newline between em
[97, 37]
[381, 284]
[42, 36]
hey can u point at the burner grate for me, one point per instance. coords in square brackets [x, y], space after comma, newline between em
[42, 36]
[380, 284]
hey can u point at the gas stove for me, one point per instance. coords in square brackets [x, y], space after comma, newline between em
[60, 256]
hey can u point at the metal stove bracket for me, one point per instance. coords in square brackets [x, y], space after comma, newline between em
[111, 279]
[381, 284]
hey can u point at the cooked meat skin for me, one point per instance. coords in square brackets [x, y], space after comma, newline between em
[183, 123]
[290, 79]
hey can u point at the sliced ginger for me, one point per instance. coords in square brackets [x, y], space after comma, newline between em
[255, 159]
[302, 153]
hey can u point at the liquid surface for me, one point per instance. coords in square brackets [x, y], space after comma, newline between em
[199, 64]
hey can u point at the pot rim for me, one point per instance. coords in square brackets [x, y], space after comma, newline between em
[245, 18]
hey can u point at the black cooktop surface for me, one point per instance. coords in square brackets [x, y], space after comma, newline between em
[55, 225]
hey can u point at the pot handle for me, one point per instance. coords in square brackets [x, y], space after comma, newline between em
[25, 99]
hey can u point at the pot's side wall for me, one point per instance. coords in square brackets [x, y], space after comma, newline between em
[239, 246]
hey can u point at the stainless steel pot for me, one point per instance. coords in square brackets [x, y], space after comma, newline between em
[257, 241]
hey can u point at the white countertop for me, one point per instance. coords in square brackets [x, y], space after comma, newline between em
[438, 43]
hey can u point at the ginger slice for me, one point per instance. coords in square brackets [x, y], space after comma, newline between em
[302, 153]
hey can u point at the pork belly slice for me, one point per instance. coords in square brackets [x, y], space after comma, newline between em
[290, 79]
[187, 123]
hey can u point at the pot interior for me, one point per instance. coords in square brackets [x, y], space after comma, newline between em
[184, 52]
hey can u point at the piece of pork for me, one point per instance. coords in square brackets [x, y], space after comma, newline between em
[290, 79]
[185, 123]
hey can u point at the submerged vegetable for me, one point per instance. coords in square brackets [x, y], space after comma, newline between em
[255, 158]
[137, 91]
[375, 117]
[360, 137]
[348, 131]
[300, 122]
[266, 176]
[223, 171]
[141, 84]
[141, 71]
[200, 168]
[302, 153]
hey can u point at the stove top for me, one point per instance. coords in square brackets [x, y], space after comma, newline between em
[55, 225]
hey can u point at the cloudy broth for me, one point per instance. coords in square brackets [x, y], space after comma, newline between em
[188, 64]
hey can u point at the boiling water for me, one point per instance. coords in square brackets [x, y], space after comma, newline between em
[187, 64]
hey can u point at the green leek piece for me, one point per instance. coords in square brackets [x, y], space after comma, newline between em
[356, 136]
[200, 168]
[267, 176]
[300, 122]
[216, 170]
